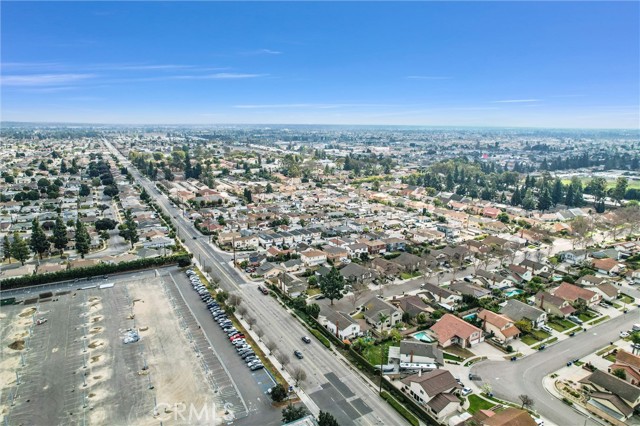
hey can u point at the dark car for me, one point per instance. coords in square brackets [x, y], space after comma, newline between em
[573, 333]
[298, 354]
[542, 347]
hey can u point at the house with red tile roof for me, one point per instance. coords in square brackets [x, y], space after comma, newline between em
[572, 293]
[491, 212]
[451, 330]
[630, 363]
[502, 327]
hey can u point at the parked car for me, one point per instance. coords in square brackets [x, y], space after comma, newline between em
[257, 367]
[624, 334]
[466, 391]
[298, 354]
[546, 328]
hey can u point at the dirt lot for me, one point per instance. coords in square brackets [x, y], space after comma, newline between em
[77, 370]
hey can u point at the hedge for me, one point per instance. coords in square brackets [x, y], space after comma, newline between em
[182, 259]
[400, 408]
[321, 337]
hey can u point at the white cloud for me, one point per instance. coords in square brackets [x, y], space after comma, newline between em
[262, 52]
[516, 101]
[43, 79]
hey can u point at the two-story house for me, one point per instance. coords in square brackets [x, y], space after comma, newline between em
[516, 310]
[434, 390]
[381, 314]
[500, 326]
[574, 294]
[313, 257]
[554, 305]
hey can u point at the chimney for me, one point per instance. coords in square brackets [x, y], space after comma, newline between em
[420, 372]
[542, 302]
[411, 356]
[338, 329]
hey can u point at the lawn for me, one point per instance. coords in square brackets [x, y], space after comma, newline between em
[540, 335]
[625, 298]
[452, 357]
[564, 323]
[611, 183]
[587, 316]
[460, 352]
[553, 339]
[476, 404]
[528, 340]
[556, 326]
[359, 315]
[312, 291]
[599, 320]
[372, 353]
[407, 276]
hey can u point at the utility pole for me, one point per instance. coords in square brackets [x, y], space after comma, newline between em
[381, 354]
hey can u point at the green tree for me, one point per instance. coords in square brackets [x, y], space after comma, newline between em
[545, 201]
[269, 188]
[558, 191]
[59, 238]
[332, 285]
[83, 240]
[38, 242]
[524, 325]
[278, 393]
[620, 189]
[313, 310]
[105, 224]
[529, 202]
[292, 413]
[326, 419]
[84, 190]
[6, 248]
[19, 248]
[247, 195]
[129, 229]
[620, 373]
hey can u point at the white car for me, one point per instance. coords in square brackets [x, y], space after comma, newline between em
[624, 334]
[466, 391]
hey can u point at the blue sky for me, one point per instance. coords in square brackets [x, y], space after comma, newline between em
[538, 64]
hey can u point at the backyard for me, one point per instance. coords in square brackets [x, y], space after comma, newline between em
[372, 352]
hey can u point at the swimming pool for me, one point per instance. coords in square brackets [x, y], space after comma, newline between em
[514, 292]
[423, 337]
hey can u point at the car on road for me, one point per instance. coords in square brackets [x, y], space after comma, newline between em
[624, 334]
[466, 391]
[306, 339]
[298, 354]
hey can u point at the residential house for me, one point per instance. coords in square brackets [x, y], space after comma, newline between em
[375, 247]
[607, 266]
[451, 330]
[340, 324]
[335, 254]
[468, 289]
[441, 295]
[591, 280]
[500, 326]
[630, 363]
[375, 309]
[409, 262]
[516, 310]
[395, 244]
[356, 250]
[227, 237]
[491, 212]
[522, 273]
[611, 397]
[244, 243]
[510, 417]
[385, 267]
[607, 291]
[535, 267]
[434, 390]
[415, 352]
[554, 305]
[313, 257]
[574, 294]
[413, 305]
[573, 257]
[354, 273]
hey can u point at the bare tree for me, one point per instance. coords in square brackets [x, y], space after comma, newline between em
[215, 281]
[526, 400]
[299, 375]
[250, 320]
[259, 332]
[282, 358]
[358, 290]
[242, 310]
[580, 228]
[271, 346]
[234, 299]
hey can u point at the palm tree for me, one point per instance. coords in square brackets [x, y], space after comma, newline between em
[382, 317]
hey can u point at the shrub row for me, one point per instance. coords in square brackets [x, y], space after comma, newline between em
[400, 408]
[320, 337]
[182, 259]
